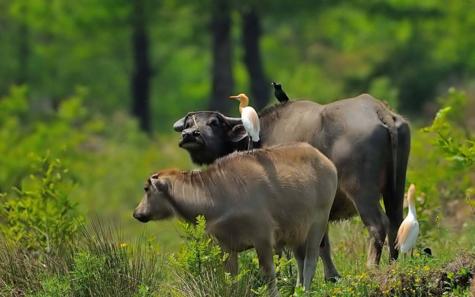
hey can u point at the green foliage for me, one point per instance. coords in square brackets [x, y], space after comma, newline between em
[40, 215]
[87, 272]
[99, 264]
[336, 49]
[199, 266]
[453, 141]
[101, 152]
[26, 131]
[54, 287]
[199, 253]
[441, 164]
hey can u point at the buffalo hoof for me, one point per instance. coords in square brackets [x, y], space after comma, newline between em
[333, 279]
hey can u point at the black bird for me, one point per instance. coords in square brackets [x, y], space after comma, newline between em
[279, 93]
[427, 252]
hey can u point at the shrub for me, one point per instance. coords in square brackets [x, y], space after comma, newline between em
[441, 164]
[451, 136]
[99, 263]
[39, 216]
[104, 265]
[200, 270]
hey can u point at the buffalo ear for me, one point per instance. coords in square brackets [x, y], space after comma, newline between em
[160, 183]
[163, 185]
[237, 133]
[180, 124]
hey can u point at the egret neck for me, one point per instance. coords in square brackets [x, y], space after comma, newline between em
[243, 102]
[411, 204]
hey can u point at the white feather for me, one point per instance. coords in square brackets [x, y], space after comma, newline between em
[250, 121]
[409, 229]
[411, 238]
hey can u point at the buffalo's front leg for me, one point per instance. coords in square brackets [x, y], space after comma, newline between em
[299, 254]
[265, 254]
[231, 263]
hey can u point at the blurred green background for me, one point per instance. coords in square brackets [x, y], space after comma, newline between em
[405, 52]
[98, 84]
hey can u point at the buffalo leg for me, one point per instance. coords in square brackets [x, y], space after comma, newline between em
[331, 274]
[231, 263]
[264, 254]
[376, 222]
[299, 254]
[394, 194]
[394, 211]
[314, 238]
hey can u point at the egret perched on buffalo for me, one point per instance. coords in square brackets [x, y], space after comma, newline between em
[250, 119]
[409, 229]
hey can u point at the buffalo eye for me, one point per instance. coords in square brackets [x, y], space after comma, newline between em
[188, 123]
[145, 188]
[213, 122]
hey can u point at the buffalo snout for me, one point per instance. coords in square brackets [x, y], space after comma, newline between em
[140, 216]
[190, 136]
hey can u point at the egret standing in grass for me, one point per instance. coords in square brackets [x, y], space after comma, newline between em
[409, 229]
[250, 119]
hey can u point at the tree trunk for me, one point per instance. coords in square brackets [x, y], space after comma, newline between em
[251, 33]
[223, 82]
[23, 48]
[142, 73]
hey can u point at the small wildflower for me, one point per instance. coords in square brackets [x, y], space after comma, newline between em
[123, 245]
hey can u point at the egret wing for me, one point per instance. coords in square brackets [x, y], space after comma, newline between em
[250, 121]
[407, 234]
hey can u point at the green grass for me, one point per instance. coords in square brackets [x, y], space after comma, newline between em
[155, 261]
[349, 247]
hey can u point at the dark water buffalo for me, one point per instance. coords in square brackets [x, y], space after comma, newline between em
[368, 143]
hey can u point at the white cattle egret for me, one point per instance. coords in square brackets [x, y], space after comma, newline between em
[249, 117]
[409, 229]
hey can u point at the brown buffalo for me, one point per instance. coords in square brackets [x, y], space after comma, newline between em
[368, 143]
[279, 196]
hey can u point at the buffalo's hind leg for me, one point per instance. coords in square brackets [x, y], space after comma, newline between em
[393, 194]
[394, 211]
[372, 215]
[330, 272]
[312, 246]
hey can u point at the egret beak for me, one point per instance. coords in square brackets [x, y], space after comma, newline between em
[234, 97]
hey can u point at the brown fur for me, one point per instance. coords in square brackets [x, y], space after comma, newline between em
[260, 199]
